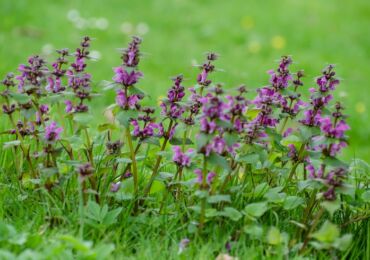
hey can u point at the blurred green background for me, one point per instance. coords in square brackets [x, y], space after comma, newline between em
[250, 36]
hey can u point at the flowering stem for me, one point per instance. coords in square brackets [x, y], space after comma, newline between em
[25, 151]
[204, 185]
[313, 227]
[133, 159]
[158, 162]
[294, 168]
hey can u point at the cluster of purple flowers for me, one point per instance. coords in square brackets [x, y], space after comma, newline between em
[181, 159]
[32, 76]
[55, 79]
[52, 132]
[127, 76]
[78, 80]
[171, 107]
[209, 177]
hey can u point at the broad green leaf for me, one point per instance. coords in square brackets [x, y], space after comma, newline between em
[219, 198]
[256, 209]
[343, 242]
[157, 187]
[254, 231]
[180, 141]
[331, 206]
[11, 144]
[248, 158]
[366, 196]
[151, 140]
[291, 139]
[21, 98]
[83, 118]
[274, 236]
[291, 202]
[218, 160]
[124, 117]
[231, 213]
[328, 233]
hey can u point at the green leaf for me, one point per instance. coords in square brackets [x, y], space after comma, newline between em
[307, 133]
[334, 162]
[254, 231]
[343, 242]
[252, 113]
[157, 187]
[274, 236]
[331, 206]
[83, 118]
[366, 196]
[218, 160]
[219, 198]
[202, 140]
[261, 189]
[248, 158]
[291, 139]
[151, 140]
[231, 213]
[291, 202]
[21, 98]
[180, 141]
[256, 209]
[124, 117]
[105, 127]
[11, 144]
[328, 233]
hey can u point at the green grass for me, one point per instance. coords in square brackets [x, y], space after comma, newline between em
[315, 33]
[249, 36]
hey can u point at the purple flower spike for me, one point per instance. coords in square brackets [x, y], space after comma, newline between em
[180, 158]
[52, 132]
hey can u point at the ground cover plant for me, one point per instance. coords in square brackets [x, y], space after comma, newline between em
[255, 173]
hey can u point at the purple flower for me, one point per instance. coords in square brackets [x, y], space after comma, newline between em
[209, 178]
[114, 187]
[52, 132]
[207, 68]
[180, 158]
[123, 102]
[331, 131]
[122, 76]
[131, 55]
[85, 170]
[183, 244]
[69, 106]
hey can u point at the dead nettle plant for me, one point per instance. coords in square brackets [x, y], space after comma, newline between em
[210, 153]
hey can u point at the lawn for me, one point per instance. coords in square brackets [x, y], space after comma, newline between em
[248, 35]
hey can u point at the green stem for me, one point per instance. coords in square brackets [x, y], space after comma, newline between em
[204, 200]
[133, 160]
[313, 227]
[158, 162]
